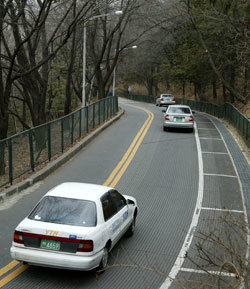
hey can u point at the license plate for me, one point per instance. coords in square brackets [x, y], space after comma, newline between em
[179, 119]
[50, 244]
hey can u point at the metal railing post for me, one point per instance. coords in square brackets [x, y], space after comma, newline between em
[49, 141]
[10, 161]
[99, 112]
[80, 123]
[72, 128]
[62, 134]
[31, 151]
[87, 118]
[93, 115]
[104, 109]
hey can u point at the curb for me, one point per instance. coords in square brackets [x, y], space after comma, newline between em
[53, 165]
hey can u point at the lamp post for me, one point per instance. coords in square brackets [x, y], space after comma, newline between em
[118, 12]
[114, 72]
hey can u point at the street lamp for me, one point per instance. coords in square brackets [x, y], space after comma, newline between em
[118, 12]
[114, 72]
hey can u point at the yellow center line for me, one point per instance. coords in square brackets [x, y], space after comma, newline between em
[122, 161]
[8, 267]
[118, 171]
[124, 168]
[13, 275]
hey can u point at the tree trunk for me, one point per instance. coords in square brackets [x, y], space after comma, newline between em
[24, 114]
[195, 92]
[234, 93]
[214, 89]
[4, 121]
[224, 92]
[246, 90]
[67, 103]
[183, 89]
[150, 86]
[232, 83]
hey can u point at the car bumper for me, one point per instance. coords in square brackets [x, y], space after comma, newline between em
[178, 124]
[56, 259]
[167, 103]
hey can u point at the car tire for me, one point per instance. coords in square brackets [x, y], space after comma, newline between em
[165, 128]
[191, 130]
[159, 105]
[105, 257]
[131, 229]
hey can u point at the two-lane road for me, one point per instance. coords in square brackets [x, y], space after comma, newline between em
[164, 171]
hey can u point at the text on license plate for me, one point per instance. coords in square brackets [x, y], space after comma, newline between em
[50, 244]
[179, 119]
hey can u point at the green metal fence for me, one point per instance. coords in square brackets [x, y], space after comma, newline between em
[226, 111]
[23, 152]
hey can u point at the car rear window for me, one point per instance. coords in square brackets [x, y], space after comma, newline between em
[179, 110]
[167, 95]
[65, 211]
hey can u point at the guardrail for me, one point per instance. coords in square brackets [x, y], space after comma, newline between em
[23, 152]
[226, 111]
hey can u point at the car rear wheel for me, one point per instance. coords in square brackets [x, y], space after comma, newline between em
[105, 257]
[165, 128]
[131, 229]
[191, 129]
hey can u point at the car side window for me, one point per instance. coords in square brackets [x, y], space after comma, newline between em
[118, 199]
[109, 209]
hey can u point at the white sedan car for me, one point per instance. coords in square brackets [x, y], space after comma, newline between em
[74, 226]
[178, 116]
[165, 99]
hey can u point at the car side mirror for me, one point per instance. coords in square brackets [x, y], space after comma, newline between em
[193, 112]
[130, 202]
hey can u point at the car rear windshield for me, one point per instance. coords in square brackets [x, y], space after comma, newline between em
[167, 95]
[179, 110]
[65, 211]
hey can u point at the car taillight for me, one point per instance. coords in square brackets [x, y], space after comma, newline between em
[173, 99]
[191, 118]
[85, 246]
[162, 99]
[18, 237]
[166, 117]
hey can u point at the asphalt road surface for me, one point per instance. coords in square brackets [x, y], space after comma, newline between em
[183, 182]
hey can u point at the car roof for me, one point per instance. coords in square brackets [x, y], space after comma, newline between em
[82, 191]
[167, 94]
[179, 105]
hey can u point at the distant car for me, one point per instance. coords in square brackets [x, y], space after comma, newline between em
[74, 226]
[165, 99]
[178, 116]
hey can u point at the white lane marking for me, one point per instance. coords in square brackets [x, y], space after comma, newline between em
[216, 153]
[12, 200]
[243, 200]
[222, 210]
[220, 175]
[213, 138]
[189, 237]
[225, 274]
